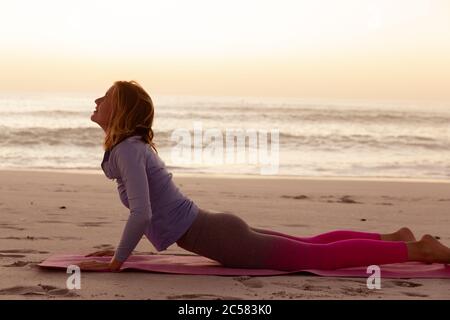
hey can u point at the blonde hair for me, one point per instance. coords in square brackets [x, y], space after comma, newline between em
[132, 114]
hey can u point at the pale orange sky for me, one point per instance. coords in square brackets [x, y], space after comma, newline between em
[322, 49]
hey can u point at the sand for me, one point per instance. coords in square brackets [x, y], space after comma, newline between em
[46, 213]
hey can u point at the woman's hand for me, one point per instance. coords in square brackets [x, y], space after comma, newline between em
[101, 253]
[114, 265]
[92, 265]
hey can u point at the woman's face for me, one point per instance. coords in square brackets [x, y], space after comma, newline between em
[103, 110]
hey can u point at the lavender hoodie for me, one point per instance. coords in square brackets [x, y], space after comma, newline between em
[158, 209]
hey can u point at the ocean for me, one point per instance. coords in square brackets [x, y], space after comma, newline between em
[317, 137]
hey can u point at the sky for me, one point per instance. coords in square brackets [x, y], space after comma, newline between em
[396, 49]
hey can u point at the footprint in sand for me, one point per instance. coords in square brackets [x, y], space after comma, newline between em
[202, 296]
[42, 290]
[25, 238]
[91, 224]
[356, 291]
[17, 264]
[281, 294]
[308, 287]
[284, 294]
[68, 238]
[65, 190]
[305, 287]
[10, 226]
[299, 197]
[11, 255]
[407, 284]
[347, 199]
[250, 282]
[415, 294]
[104, 246]
[52, 221]
[344, 199]
[22, 251]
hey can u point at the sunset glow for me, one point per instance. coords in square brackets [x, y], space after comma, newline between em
[349, 48]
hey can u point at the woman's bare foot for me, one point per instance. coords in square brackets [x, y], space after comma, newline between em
[428, 250]
[403, 234]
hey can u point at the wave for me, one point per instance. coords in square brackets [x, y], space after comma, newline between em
[255, 115]
[44, 136]
[80, 136]
[339, 141]
[92, 137]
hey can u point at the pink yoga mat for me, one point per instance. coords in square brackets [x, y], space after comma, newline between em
[198, 265]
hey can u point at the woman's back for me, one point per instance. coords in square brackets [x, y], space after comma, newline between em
[146, 188]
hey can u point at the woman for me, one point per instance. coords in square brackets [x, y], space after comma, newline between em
[164, 215]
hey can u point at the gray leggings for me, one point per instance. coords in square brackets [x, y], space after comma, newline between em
[227, 239]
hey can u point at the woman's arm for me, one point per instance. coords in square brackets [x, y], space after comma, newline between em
[130, 165]
[122, 192]
[134, 193]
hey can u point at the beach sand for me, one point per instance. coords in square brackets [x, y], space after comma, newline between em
[46, 213]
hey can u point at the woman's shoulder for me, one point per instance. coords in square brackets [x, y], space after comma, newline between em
[130, 147]
[129, 153]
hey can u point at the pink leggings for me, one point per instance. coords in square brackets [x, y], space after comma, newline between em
[226, 238]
